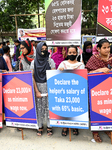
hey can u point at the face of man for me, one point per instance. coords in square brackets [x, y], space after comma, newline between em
[16, 44]
[33, 42]
[8, 43]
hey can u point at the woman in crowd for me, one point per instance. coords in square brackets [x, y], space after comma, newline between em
[3, 68]
[95, 50]
[101, 62]
[26, 58]
[17, 44]
[3, 65]
[59, 56]
[71, 63]
[27, 55]
[87, 51]
[42, 63]
[6, 50]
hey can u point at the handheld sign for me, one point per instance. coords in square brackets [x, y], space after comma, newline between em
[19, 100]
[0, 100]
[100, 96]
[68, 98]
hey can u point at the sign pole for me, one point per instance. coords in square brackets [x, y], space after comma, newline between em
[22, 134]
[111, 137]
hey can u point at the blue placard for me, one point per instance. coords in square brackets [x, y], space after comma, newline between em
[100, 96]
[68, 98]
[19, 100]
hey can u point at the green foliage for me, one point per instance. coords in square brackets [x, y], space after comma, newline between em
[89, 18]
[11, 7]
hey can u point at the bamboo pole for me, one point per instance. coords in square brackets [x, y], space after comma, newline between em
[22, 134]
[70, 134]
[16, 26]
[25, 14]
[111, 137]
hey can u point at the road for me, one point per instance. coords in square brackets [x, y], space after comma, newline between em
[11, 139]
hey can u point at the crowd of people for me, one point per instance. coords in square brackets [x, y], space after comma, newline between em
[31, 55]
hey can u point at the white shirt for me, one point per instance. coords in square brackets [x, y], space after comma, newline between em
[66, 65]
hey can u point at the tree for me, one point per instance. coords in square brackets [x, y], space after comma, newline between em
[11, 7]
[89, 17]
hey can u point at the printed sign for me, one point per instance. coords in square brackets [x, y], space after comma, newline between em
[0, 100]
[104, 24]
[63, 22]
[19, 100]
[100, 95]
[91, 38]
[38, 34]
[68, 98]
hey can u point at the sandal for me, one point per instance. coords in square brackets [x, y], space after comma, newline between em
[49, 131]
[97, 138]
[75, 132]
[64, 132]
[108, 133]
[39, 131]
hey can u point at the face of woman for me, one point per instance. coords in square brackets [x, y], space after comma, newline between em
[72, 51]
[44, 50]
[63, 51]
[89, 49]
[105, 49]
[24, 50]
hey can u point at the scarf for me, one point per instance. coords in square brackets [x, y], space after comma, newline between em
[86, 56]
[58, 56]
[29, 56]
[41, 64]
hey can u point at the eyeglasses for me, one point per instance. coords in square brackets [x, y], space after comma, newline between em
[22, 48]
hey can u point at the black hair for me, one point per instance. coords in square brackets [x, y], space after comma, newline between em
[1, 43]
[32, 41]
[37, 41]
[16, 41]
[27, 44]
[7, 41]
[4, 43]
[100, 43]
[110, 49]
[72, 46]
[6, 49]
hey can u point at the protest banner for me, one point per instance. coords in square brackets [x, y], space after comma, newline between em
[104, 21]
[38, 34]
[100, 96]
[19, 100]
[68, 98]
[63, 22]
[0, 100]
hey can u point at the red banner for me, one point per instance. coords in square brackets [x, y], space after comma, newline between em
[104, 24]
